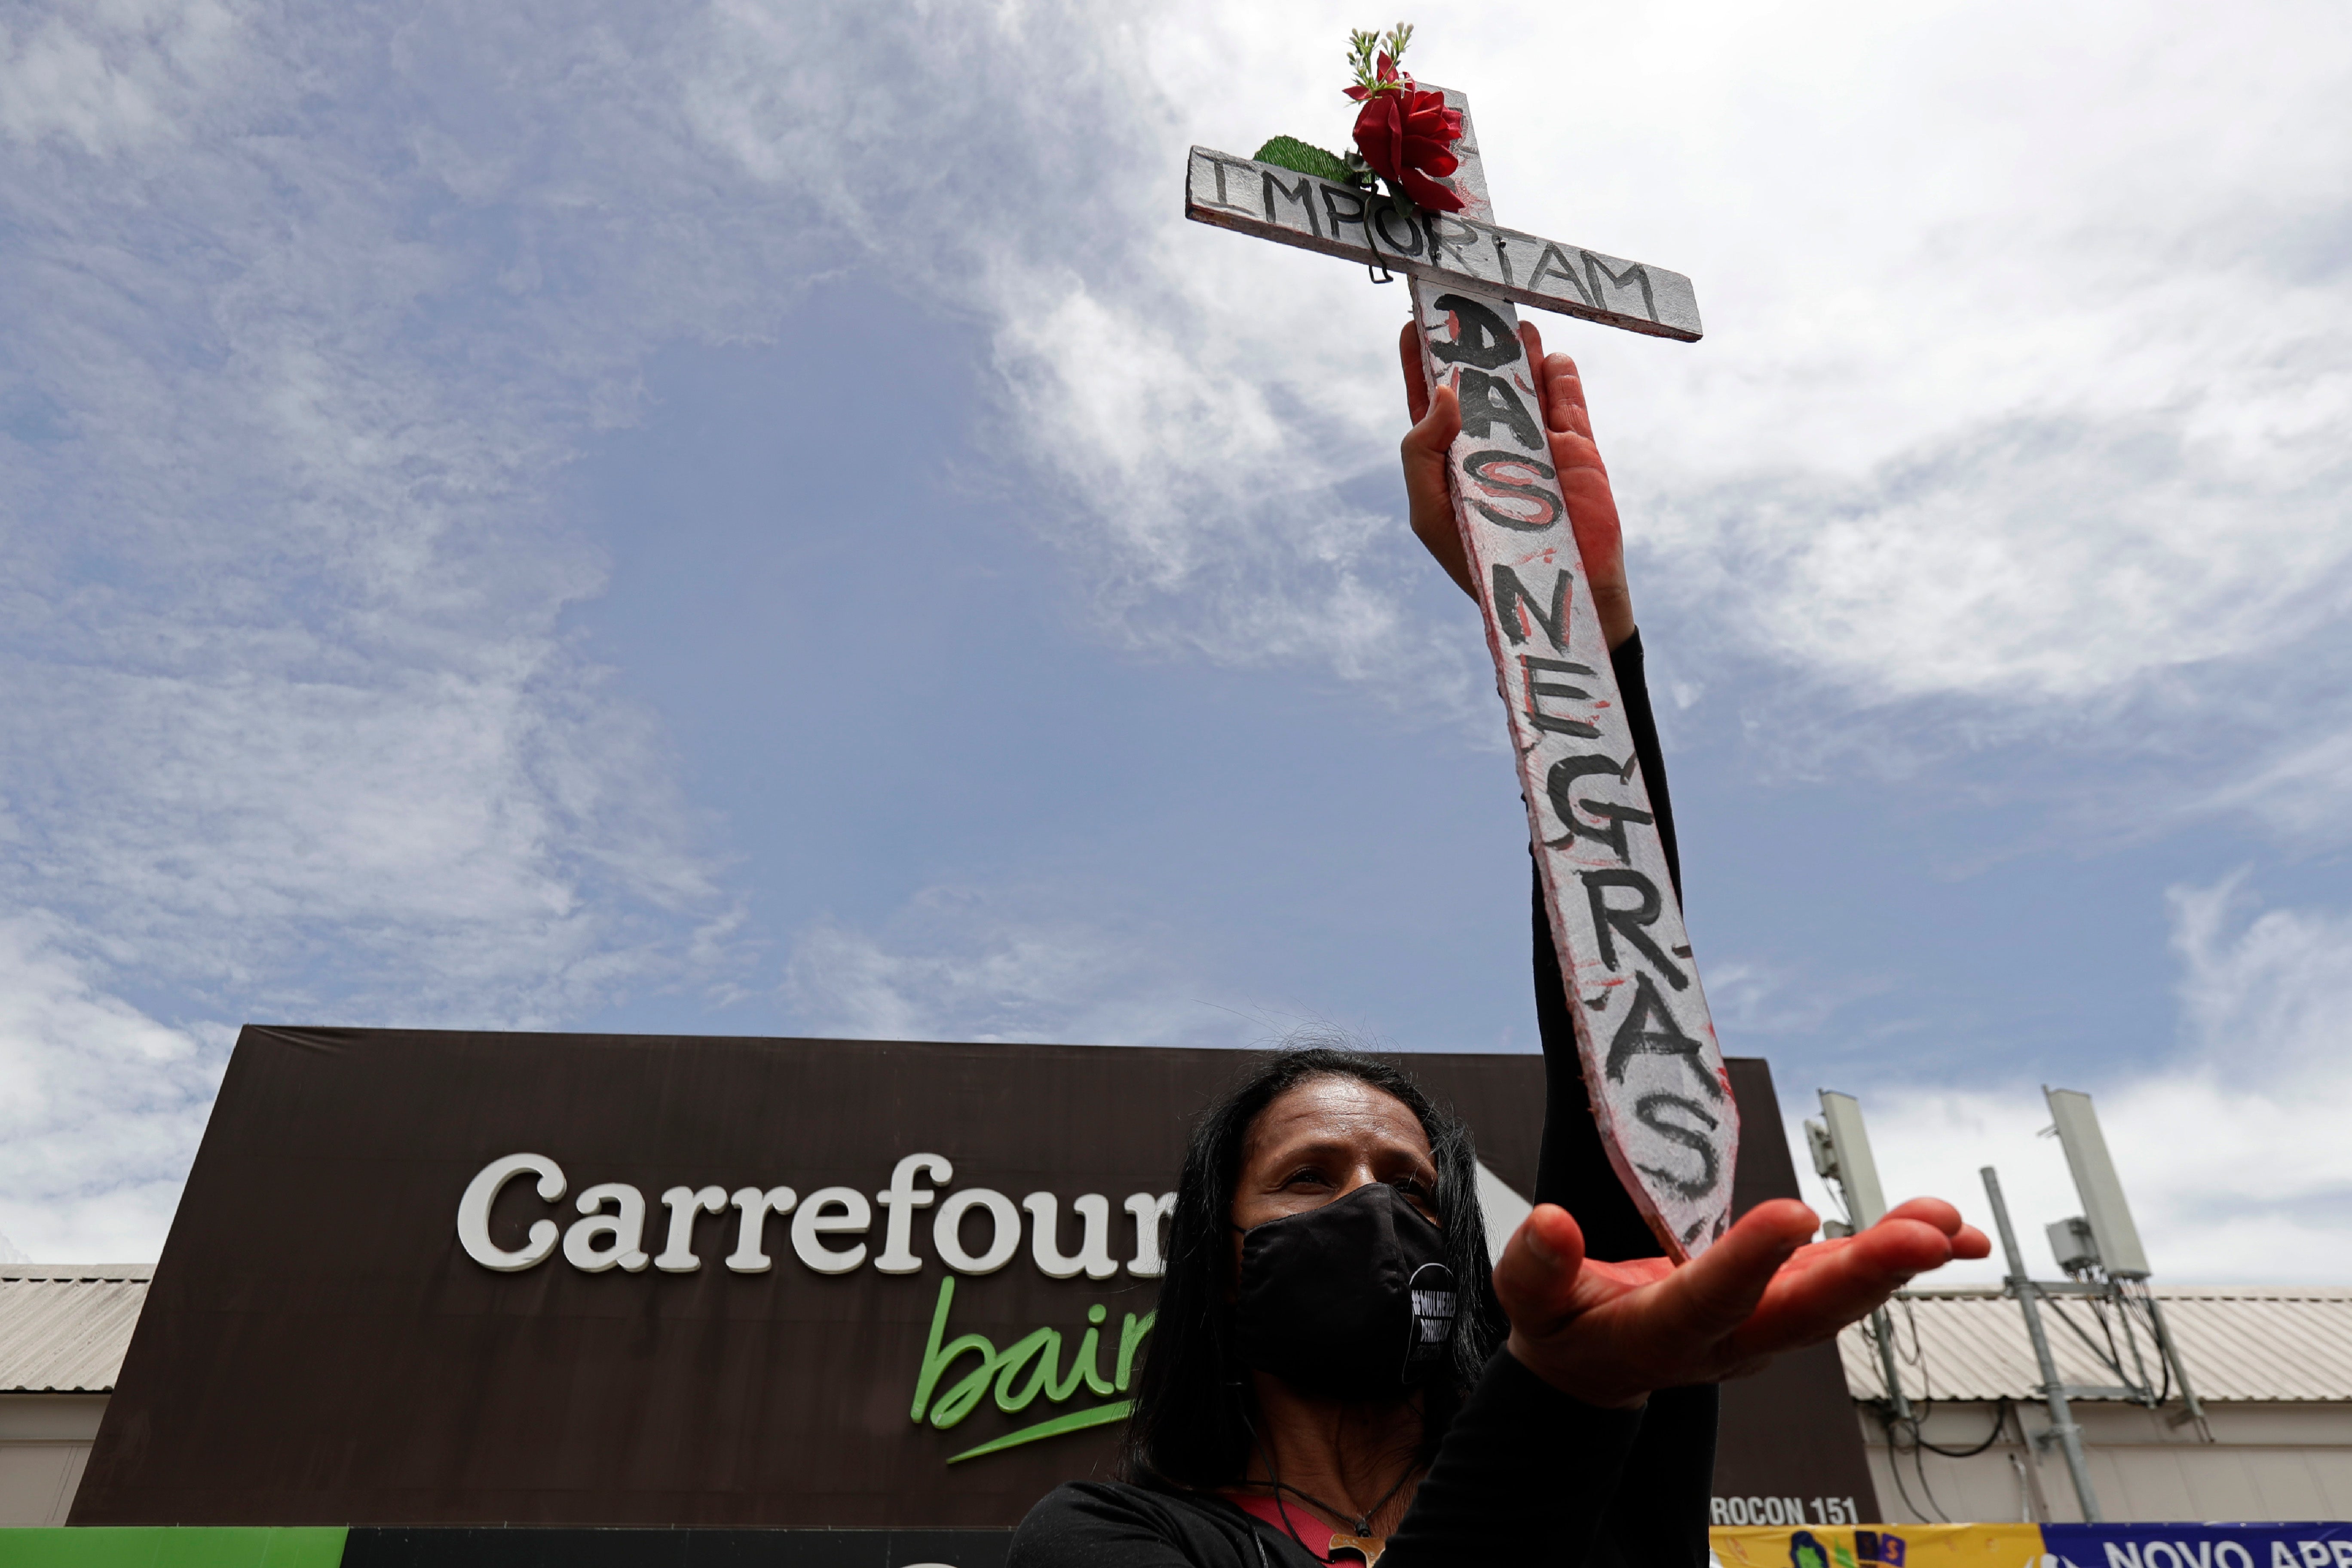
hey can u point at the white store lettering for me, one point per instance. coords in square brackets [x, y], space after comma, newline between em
[825, 1229]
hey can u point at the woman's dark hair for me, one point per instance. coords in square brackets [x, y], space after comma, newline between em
[1190, 1429]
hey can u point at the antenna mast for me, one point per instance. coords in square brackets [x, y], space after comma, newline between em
[2103, 1246]
[1842, 1155]
[2062, 1419]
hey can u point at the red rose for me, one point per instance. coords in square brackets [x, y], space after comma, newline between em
[1407, 136]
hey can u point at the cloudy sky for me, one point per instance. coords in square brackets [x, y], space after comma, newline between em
[761, 518]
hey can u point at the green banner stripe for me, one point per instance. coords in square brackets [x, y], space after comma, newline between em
[173, 1546]
[1101, 1415]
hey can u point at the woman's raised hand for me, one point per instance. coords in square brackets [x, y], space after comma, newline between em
[1608, 1333]
[1583, 480]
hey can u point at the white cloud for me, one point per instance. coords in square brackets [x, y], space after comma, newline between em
[2231, 1150]
[962, 965]
[101, 1106]
[2303, 788]
[306, 320]
[1747, 998]
[2016, 416]
[296, 722]
[1184, 414]
[115, 75]
[2022, 360]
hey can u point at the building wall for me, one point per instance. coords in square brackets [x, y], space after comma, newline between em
[2267, 1461]
[44, 1440]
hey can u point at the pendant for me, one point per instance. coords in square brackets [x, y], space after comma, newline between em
[1368, 1547]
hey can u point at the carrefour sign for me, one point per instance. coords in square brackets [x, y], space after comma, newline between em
[478, 1278]
[975, 1230]
[612, 1233]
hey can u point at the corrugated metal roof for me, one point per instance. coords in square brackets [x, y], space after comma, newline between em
[64, 1327]
[2243, 1342]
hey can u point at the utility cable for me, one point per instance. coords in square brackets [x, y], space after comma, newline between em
[1894, 1462]
[2146, 1298]
[1918, 1356]
[1919, 1463]
[2105, 1358]
[2000, 1416]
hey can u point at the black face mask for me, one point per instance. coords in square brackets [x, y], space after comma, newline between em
[1352, 1301]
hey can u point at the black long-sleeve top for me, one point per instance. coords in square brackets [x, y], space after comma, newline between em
[1525, 1474]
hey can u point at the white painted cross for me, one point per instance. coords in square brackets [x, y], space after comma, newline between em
[1648, 1046]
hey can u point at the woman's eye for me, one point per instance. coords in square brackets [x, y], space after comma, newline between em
[1307, 1177]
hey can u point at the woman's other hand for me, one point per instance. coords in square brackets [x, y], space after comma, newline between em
[1583, 480]
[1608, 1333]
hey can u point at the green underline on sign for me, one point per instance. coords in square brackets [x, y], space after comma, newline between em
[1101, 1415]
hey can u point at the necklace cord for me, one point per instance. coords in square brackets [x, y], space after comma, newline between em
[1361, 1523]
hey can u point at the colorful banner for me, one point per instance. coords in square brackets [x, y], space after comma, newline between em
[2316, 1545]
[1881, 1546]
[2327, 1545]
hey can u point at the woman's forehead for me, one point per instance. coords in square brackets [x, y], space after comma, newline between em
[1331, 1109]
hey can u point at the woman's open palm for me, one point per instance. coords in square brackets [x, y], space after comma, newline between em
[1608, 1333]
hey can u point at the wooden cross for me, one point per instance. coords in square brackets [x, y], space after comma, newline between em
[1648, 1047]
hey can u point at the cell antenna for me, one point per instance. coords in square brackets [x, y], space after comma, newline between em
[2100, 1251]
[2095, 1182]
[1842, 1154]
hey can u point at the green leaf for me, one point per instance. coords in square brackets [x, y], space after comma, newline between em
[1290, 153]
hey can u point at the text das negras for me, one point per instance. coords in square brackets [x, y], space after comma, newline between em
[1513, 489]
[610, 1231]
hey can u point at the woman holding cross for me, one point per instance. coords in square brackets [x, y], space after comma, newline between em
[1336, 1375]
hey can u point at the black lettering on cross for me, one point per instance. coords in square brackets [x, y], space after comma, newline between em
[1490, 400]
[1651, 1110]
[1560, 785]
[1480, 336]
[1650, 1030]
[1409, 245]
[1217, 167]
[1553, 264]
[1302, 193]
[1332, 196]
[1450, 240]
[1555, 723]
[1515, 606]
[1595, 270]
[1630, 922]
